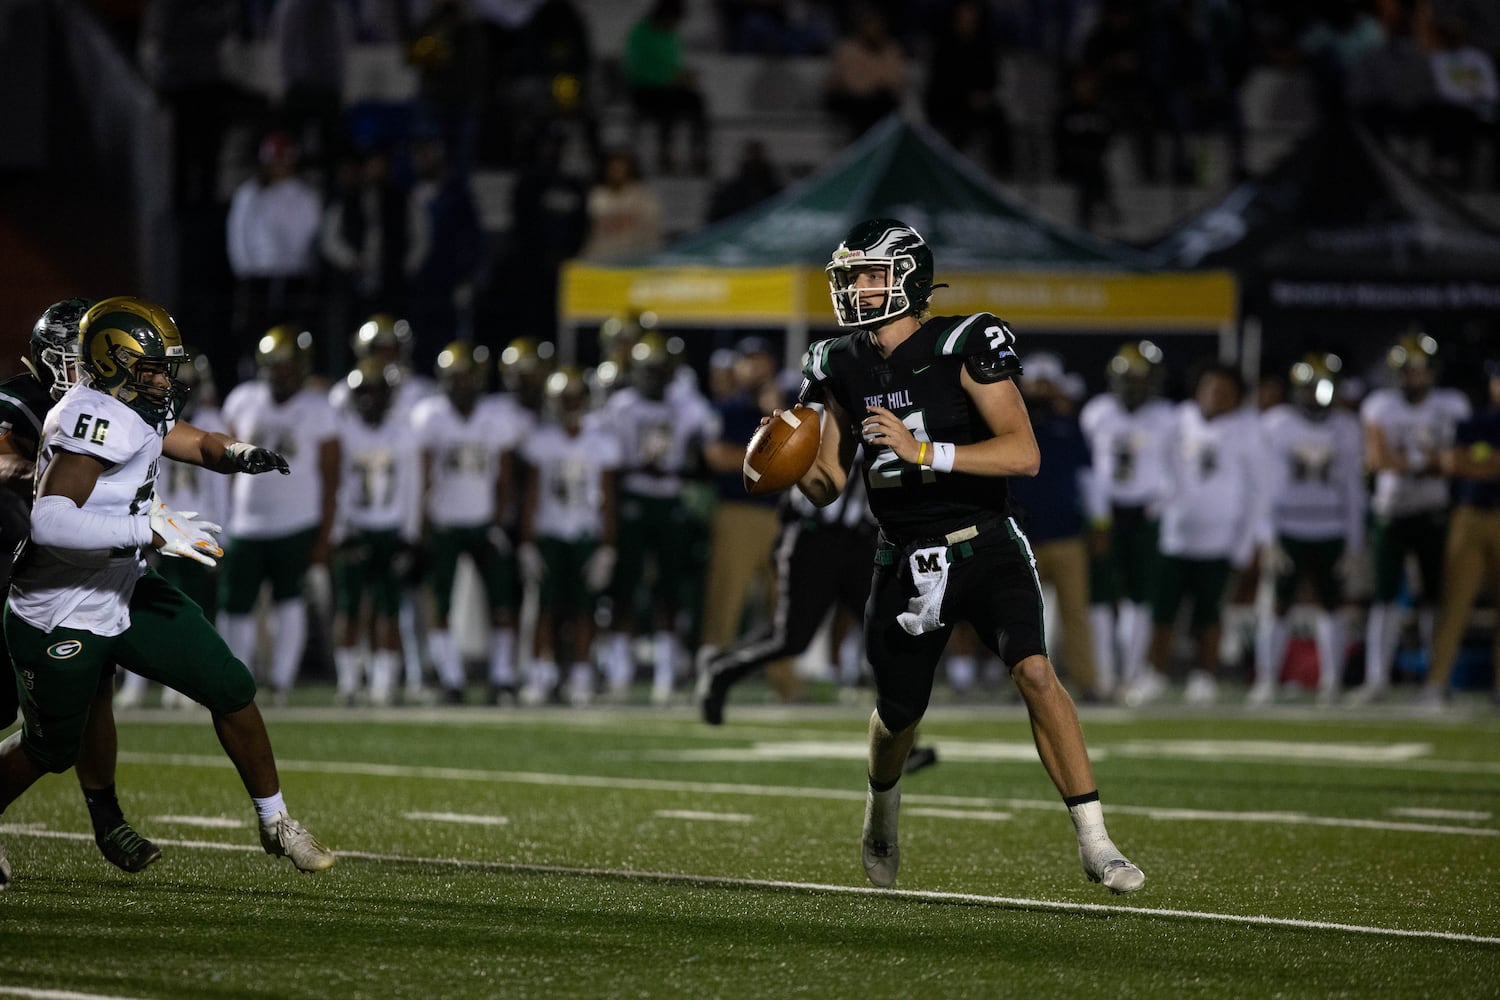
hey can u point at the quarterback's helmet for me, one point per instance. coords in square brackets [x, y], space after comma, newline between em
[1135, 372]
[372, 388]
[120, 339]
[906, 283]
[384, 335]
[1314, 381]
[54, 345]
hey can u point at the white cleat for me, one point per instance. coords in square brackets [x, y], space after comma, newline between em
[877, 845]
[284, 837]
[1149, 687]
[1201, 689]
[1261, 695]
[1117, 875]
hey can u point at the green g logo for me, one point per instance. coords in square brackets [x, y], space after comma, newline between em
[67, 649]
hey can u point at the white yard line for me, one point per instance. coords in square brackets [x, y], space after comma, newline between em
[36, 994]
[709, 816]
[449, 817]
[787, 791]
[1418, 813]
[680, 878]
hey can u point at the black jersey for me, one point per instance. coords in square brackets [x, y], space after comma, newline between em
[23, 407]
[920, 384]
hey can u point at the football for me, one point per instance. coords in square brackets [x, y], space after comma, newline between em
[781, 451]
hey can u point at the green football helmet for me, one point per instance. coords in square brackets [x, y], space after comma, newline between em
[1315, 381]
[284, 357]
[386, 336]
[525, 365]
[372, 388]
[1135, 373]
[122, 342]
[462, 368]
[54, 345]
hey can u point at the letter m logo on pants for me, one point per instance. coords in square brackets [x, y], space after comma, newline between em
[929, 563]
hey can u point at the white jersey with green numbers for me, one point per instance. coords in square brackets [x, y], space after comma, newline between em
[658, 438]
[379, 476]
[463, 454]
[1217, 505]
[1129, 449]
[1417, 431]
[276, 506]
[569, 472]
[90, 589]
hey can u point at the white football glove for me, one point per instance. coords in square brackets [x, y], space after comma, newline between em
[600, 568]
[184, 537]
[533, 568]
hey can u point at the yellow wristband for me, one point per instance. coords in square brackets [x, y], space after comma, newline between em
[922, 454]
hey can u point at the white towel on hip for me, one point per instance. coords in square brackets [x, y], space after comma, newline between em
[929, 573]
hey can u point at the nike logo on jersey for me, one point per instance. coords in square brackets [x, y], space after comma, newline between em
[918, 371]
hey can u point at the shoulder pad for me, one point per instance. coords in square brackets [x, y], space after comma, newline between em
[819, 364]
[965, 336]
[993, 366]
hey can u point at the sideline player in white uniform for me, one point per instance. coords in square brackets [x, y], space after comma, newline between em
[1316, 482]
[278, 526]
[568, 533]
[378, 525]
[1127, 429]
[82, 599]
[1407, 429]
[185, 486]
[659, 438]
[1212, 521]
[467, 441]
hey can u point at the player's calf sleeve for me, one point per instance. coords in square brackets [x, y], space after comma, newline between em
[446, 658]
[239, 635]
[291, 639]
[503, 656]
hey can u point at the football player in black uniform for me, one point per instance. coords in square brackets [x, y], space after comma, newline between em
[943, 424]
[24, 402]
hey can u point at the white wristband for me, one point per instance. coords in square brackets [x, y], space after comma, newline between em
[942, 456]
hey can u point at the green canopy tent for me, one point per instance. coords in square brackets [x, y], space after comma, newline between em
[764, 267]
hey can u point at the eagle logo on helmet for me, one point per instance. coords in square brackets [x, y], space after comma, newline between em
[906, 283]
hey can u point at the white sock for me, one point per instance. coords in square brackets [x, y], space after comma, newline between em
[269, 807]
[581, 680]
[1327, 635]
[1270, 648]
[384, 665]
[962, 671]
[543, 675]
[1088, 823]
[411, 639]
[1135, 640]
[239, 636]
[445, 658]
[503, 657]
[1106, 663]
[349, 668]
[614, 657]
[851, 657]
[132, 686]
[882, 813]
[664, 653]
[290, 618]
[1380, 643]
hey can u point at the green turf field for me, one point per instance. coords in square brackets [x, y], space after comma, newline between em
[636, 853]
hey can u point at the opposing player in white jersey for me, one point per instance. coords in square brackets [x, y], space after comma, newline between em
[1407, 428]
[659, 439]
[568, 534]
[378, 524]
[278, 527]
[81, 597]
[467, 440]
[1127, 429]
[185, 486]
[388, 340]
[1212, 521]
[1316, 482]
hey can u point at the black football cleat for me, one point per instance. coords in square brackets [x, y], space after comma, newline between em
[918, 758]
[712, 690]
[126, 849]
